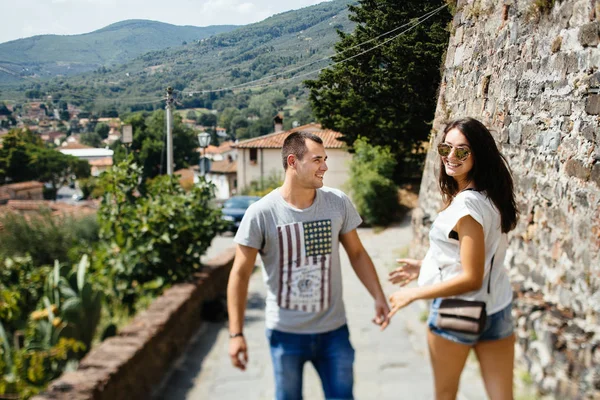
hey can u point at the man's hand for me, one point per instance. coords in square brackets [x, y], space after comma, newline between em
[381, 313]
[238, 352]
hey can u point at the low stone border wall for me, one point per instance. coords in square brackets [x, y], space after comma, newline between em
[131, 364]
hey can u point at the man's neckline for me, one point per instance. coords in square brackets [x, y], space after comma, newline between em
[293, 207]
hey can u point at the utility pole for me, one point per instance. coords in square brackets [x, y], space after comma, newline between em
[169, 109]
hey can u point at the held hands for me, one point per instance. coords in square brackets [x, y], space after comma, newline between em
[382, 311]
[238, 352]
[407, 272]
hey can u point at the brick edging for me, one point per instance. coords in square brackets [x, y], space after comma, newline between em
[131, 364]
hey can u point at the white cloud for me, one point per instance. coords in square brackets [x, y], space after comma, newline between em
[24, 18]
[245, 7]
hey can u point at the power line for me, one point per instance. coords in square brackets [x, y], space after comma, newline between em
[243, 85]
[248, 85]
[430, 13]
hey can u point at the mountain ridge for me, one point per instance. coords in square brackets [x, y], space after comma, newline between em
[51, 55]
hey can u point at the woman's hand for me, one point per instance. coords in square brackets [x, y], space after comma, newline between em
[407, 272]
[401, 299]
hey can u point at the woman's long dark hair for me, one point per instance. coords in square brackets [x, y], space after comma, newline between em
[490, 172]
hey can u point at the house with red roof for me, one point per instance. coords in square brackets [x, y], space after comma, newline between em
[260, 158]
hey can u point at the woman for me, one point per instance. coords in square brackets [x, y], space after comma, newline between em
[468, 235]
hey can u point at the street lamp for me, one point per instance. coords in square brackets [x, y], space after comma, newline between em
[204, 141]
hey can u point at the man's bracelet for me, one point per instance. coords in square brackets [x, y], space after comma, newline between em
[234, 335]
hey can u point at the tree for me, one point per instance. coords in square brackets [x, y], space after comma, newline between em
[15, 155]
[191, 115]
[207, 119]
[389, 93]
[102, 130]
[91, 139]
[64, 115]
[4, 110]
[58, 169]
[371, 185]
[148, 146]
[23, 157]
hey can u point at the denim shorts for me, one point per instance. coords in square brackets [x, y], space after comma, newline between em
[499, 325]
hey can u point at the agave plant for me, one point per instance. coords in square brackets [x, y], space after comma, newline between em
[79, 304]
[7, 370]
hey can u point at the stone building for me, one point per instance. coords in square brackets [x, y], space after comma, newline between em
[529, 70]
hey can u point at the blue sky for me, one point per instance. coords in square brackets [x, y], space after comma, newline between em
[24, 18]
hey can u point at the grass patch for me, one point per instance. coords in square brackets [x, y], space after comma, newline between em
[378, 229]
[525, 377]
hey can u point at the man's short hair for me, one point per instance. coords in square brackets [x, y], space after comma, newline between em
[295, 144]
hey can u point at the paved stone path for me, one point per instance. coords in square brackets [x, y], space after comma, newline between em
[393, 364]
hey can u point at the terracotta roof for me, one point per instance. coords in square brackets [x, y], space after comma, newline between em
[22, 186]
[223, 167]
[275, 140]
[224, 147]
[211, 149]
[29, 205]
[25, 208]
[55, 134]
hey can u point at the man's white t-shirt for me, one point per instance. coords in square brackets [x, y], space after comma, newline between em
[442, 261]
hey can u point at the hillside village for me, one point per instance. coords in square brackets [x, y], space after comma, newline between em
[234, 166]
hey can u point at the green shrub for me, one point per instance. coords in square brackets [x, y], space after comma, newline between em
[21, 288]
[371, 186]
[155, 239]
[89, 187]
[55, 336]
[45, 237]
[24, 372]
[258, 188]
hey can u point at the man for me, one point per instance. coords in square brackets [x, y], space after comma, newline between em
[297, 229]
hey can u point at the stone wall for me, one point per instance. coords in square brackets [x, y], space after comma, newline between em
[529, 70]
[131, 364]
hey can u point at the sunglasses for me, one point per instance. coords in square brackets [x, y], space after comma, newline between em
[461, 153]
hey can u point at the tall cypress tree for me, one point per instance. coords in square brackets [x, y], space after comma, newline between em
[388, 94]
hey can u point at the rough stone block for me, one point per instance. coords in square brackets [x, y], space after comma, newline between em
[509, 88]
[592, 104]
[562, 107]
[458, 35]
[588, 130]
[514, 133]
[458, 55]
[576, 168]
[595, 174]
[530, 133]
[589, 34]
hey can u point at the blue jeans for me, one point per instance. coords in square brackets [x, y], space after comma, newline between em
[331, 354]
[498, 325]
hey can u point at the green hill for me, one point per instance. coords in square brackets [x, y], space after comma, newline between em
[279, 43]
[51, 55]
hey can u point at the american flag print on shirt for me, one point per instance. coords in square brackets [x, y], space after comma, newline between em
[305, 265]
